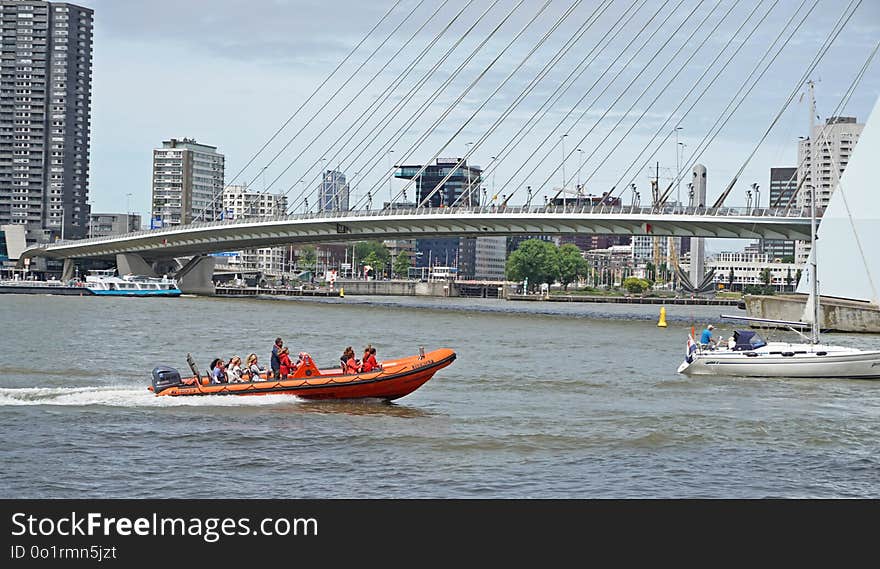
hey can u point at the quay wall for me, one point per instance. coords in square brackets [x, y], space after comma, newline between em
[835, 314]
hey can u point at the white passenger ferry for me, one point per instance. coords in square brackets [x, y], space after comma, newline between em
[106, 283]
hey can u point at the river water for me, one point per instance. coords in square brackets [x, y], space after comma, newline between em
[545, 400]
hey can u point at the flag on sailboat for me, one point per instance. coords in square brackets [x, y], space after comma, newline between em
[691, 348]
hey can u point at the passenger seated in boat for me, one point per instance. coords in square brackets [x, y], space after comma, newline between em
[287, 366]
[731, 343]
[349, 362]
[343, 359]
[253, 368]
[234, 373]
[218, 371]
[369, 360]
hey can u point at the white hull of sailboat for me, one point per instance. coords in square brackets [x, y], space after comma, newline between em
[792, 360]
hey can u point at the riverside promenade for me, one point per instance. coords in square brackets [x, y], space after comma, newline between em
[626, 299]
[458, 289]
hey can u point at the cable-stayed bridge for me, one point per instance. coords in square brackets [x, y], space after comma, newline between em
[203, 238]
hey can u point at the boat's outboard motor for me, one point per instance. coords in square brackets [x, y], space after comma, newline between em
[165, 377]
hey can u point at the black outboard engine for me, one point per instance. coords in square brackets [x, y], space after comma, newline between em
[165, 377]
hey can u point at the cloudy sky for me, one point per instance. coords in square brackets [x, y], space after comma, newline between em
[229, 73]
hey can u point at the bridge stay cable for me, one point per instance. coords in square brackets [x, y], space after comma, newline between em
[661, 91]
[563, 88]
[663, 127]
[397, 136]
[554, 60]
[302, 105]
[823, 133]
[345, 107]
[482, 74]
[557, 93]
[464, 93]
[822, 51]
[784, 32]
[635, 78]
[601, 76]
[504, 82]
[388, 119]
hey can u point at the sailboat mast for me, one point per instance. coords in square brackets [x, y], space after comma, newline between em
[814, 291]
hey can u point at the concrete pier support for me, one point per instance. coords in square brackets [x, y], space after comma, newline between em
[698, 245]
[197, 276]
[68, 271]
[131, 263]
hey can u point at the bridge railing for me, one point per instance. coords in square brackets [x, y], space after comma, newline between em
[595, 209]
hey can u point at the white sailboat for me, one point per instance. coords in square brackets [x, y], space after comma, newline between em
[751, 356]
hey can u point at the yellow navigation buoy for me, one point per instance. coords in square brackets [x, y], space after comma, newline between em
[342, 292]
[662, 322]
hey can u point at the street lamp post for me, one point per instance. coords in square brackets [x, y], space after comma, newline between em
[390, 176]
[677, 167]
[757, 195]
[467, 148]
[564, 200]
[580, 167]
[493, 176]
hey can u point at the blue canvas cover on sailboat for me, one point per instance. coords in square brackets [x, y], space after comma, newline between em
[747, 340]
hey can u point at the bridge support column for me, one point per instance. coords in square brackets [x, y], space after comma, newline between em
[698, 244]
[197, 276]
[67, 272]
[131, 263]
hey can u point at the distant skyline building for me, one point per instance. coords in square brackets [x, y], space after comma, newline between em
[188, 180]
[462, 189]
[45, 117]
[333, 192]
[107, 224]
[824, 162]
[783, 184]
[240, 202]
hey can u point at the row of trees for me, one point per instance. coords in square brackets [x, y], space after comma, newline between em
[372, 253]
[538, 262]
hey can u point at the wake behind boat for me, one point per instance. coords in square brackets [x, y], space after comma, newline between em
[394, 379]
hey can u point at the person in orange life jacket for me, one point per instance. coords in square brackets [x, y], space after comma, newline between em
[287, 366]
[274, 362]
[369, 360]
[349, 362]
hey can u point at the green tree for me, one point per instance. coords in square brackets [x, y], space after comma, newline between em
[788, 277]
[373, 260]
[570, 264]
[534, 260]
[635, 285]
[402, 265]
[766, 276]
[663, 273]
[650, 270]
[382, 256]
[308, 258]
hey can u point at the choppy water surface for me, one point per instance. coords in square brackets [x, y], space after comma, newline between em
[545, 400]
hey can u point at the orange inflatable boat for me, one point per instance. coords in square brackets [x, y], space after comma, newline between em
[395, 379]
